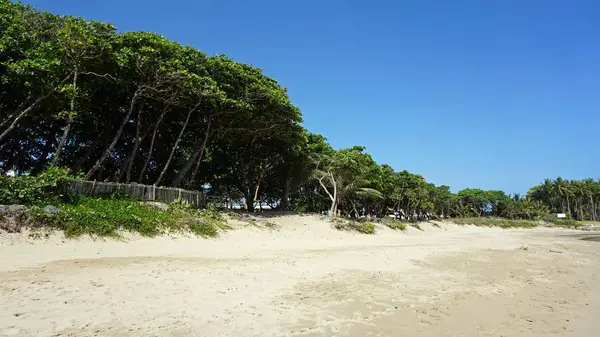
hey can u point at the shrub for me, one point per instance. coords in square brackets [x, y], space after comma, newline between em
[566, 223]
[33, 190]
[366, 227]
[396, 225]
[107, 217]
[496, 222]
[203, 228]
[417, 226]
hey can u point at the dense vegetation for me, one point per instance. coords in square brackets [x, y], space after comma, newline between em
[137, 107]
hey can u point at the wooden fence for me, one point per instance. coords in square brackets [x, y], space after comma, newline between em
[141, 192]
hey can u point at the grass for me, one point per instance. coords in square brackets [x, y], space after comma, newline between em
[365, 227]
[361, 227]
[495, 222]
[108, 217]
[395, 224]
[417, 226]
[271, 225]
[567, 223]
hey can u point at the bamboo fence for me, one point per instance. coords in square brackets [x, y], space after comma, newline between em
[138, 191]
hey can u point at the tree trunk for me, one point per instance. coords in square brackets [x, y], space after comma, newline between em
[256, 191]
[335, 197]
[197, 156]
[88, 153]
[248, 196]
[592, 208]
[332, 197]
[201, 154]
[127, 166]
[164, 170]
[136, 146]
[33, 105]
[19, 108]
[106, 153]
[143, 170]
[42, 160]
[285, 200]
[568, 206]
[65, 135]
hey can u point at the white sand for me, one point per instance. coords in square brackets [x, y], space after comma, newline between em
[304, 279]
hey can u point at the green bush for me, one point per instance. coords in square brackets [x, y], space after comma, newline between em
[417, 226]
[496, 222]
[107, 217]
[366, 228]
[33, 190]
[203, 228]
[396, 225]
[566, 223]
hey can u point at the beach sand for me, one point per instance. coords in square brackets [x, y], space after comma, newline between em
[304, 278]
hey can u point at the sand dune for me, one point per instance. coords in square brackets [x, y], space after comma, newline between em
[304, 279]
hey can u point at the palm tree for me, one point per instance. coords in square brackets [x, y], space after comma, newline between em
[592, 189]
[579, 190]
[547, 188]
[561, 189]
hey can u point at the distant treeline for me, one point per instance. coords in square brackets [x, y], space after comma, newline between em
[137, 107]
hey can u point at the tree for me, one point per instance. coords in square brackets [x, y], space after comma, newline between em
[81, 46]
[345, 176]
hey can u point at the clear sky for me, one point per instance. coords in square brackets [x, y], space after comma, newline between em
[469, 93]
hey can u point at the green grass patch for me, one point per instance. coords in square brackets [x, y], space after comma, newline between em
[495, 222]
[568, 223]
[396, 225]
[365, 227]
[361, 227]
[417, 226]
[108, 217]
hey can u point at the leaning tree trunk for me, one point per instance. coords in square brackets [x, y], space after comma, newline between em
[112, 145]
[151, 150]
[88, 153]
[31, 107]
[41, 162]
[65, 134]
[127, 166]
[201, 154]
[197, 156]
[19, 108]
[136, 146]
[164, 170]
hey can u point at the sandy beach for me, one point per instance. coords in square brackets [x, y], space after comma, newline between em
[304, 278]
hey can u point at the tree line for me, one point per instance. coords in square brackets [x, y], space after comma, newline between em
[135, 107]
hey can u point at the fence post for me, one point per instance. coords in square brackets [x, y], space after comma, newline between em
[179, 193]
[93, 186]
[197, 199]
[153, 192]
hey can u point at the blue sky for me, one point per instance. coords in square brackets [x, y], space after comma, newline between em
[469, 93]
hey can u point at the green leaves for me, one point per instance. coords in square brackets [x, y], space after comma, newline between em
[27, 190]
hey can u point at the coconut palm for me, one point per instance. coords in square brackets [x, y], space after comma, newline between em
[561, 189]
